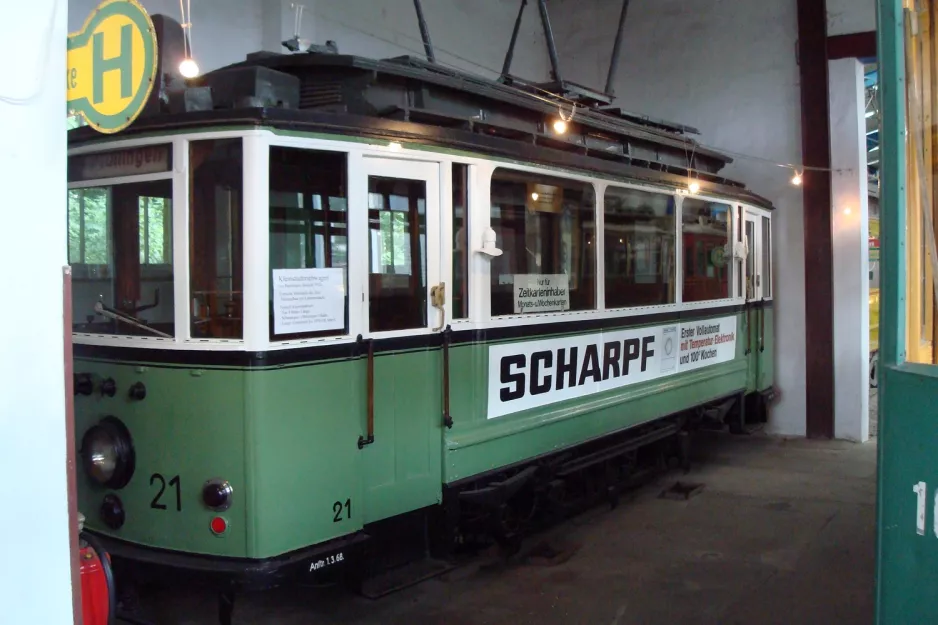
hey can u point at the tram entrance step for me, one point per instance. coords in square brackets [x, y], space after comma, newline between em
[404, 577]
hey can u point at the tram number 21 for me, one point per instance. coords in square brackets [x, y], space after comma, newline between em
[921, 492]
[158, 480]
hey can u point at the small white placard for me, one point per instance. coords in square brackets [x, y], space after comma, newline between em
[308, 300]
[541, 293]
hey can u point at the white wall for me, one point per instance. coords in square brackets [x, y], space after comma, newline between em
[726, 67]
[34, 522]
[470, 34]
[850, 16]
[850, 218]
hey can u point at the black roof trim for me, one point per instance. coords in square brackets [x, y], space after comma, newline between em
[393, 130]
[631, 126]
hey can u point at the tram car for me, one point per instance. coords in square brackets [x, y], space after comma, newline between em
[332, 314]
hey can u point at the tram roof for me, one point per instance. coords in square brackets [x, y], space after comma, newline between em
[410, 100]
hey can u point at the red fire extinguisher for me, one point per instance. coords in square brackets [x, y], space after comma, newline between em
[97, 582]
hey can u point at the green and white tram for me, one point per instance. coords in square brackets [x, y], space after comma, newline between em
[370, 297]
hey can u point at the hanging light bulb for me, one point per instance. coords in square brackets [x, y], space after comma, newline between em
[534, 196]
[560, 124]
[693, 187]
[797, 179]
[189, 68]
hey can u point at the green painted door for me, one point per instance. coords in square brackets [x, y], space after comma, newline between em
[907, 534]
[755, 291]
[402, 467]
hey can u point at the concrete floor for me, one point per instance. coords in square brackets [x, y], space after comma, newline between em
[782, 533]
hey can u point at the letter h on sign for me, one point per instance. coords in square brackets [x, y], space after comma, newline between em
[122, 63]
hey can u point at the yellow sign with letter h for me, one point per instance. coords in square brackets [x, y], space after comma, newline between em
[112, 64]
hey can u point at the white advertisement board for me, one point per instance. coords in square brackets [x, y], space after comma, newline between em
[308, 300]
[537, 373]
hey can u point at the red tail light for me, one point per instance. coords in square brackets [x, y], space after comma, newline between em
[219, 526]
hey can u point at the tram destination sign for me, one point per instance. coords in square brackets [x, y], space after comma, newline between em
[112, 65]
[537, 373]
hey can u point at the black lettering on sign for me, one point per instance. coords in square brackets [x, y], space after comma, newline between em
[173, 482]
[539, 359]
[566, 367]
[590, 364]
[631, 353]
[612, 352]
[507, 377]
[647, 352]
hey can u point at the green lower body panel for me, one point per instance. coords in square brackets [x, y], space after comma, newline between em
[287, 438]
[190, 428]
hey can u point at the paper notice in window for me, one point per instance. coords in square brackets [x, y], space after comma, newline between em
[541, 293]
[308, 300]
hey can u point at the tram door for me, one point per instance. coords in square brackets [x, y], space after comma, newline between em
[907, 501]
[754, 286]
[402, 466]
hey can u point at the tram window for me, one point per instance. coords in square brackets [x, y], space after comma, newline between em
[309, 230]
[639, 236]
[705, 233]
[545, 227]
[120, 249]
[751, 259]
[460, 241]
[215, 238]
[766, 257]
[397, 253]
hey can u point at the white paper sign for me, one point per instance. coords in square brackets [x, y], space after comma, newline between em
[537, 373]
[308, 300]
[541, 293]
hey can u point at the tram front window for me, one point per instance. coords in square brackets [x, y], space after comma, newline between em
[215, 238]
[120, 249]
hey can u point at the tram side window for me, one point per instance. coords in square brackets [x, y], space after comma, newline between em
[705, 230]
[308, 243]
[460, 241]
[120, 249]
[215, 238]
[546, 229]
[766, 257]
[639, 236]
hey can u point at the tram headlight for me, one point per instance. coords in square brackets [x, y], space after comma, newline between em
[107, 452]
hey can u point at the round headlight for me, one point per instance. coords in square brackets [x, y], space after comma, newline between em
[107, 452]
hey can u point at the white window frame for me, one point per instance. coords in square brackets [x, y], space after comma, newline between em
[256, 223]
